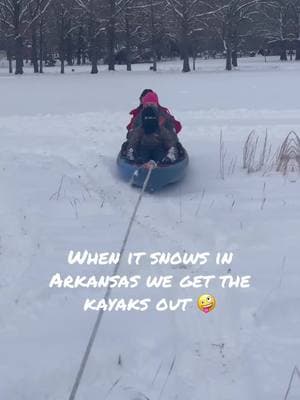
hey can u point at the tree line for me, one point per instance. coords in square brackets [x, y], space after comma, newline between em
[128, 31]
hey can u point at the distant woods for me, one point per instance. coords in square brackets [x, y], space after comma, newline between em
[76, 32]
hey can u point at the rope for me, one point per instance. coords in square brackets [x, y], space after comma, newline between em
[108, 291]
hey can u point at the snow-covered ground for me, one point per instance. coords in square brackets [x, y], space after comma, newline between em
[59, 136]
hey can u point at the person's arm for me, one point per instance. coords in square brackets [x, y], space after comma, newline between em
[132, 143]
[178, 125]
[129, 126]
[132, 124]
[172, 121]
[170, 143]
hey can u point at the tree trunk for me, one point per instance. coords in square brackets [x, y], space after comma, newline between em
[235, 43]
[62, 56]
[194, 53]
[34, 56]
[18, 38]
[111, 36]
[19, 55]
[234, 58]
[94, 69]
[283, 56]
[69, 52]
[41, 48]
[94, 52]
[185, 47]
[78, 57]
[111, 46]
[154, 64]
[128, 43]
[153, 38]
[297, 58]
[185, 57]
[228, 57]
[69, 46]
[186, 64]
[194, 62]
[93, 47]
[9, 57]
[94, 58]
[10, 65]
[62, 64]
[79, 49]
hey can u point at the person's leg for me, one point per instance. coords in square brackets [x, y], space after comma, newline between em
[143, 155]
[124, 149]
[158, 154]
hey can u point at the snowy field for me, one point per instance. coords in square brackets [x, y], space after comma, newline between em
[59, 137]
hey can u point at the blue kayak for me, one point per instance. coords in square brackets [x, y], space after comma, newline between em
[161, 176]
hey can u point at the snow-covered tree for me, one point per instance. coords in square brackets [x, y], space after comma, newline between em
[190, 17]
[231, 21]
[279, 24]
[150, 28]
[92, 23]
[102, 17]
[38, 10]
[63, 12]
[17, 17]
[296, 13]
[127, 29]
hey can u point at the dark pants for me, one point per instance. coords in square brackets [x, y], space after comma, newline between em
[144, 154]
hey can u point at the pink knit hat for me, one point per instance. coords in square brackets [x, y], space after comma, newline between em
[151, 98]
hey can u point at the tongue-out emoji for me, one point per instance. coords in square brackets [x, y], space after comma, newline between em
[206, 303]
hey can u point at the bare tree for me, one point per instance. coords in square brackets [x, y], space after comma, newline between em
[17, 19]
[295, 4]
[37, 10]
[102, 17]
[12, 16]
[185, 12]
[231, 17]
[151, 21]
[296, 8]
[128, 35]
[191, 17]
[112, 13]
[94, 24]
[64, 24]
[280, 24]
[128, 26]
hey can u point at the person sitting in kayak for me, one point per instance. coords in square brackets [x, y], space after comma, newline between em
[151, 141]
[149, 97]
